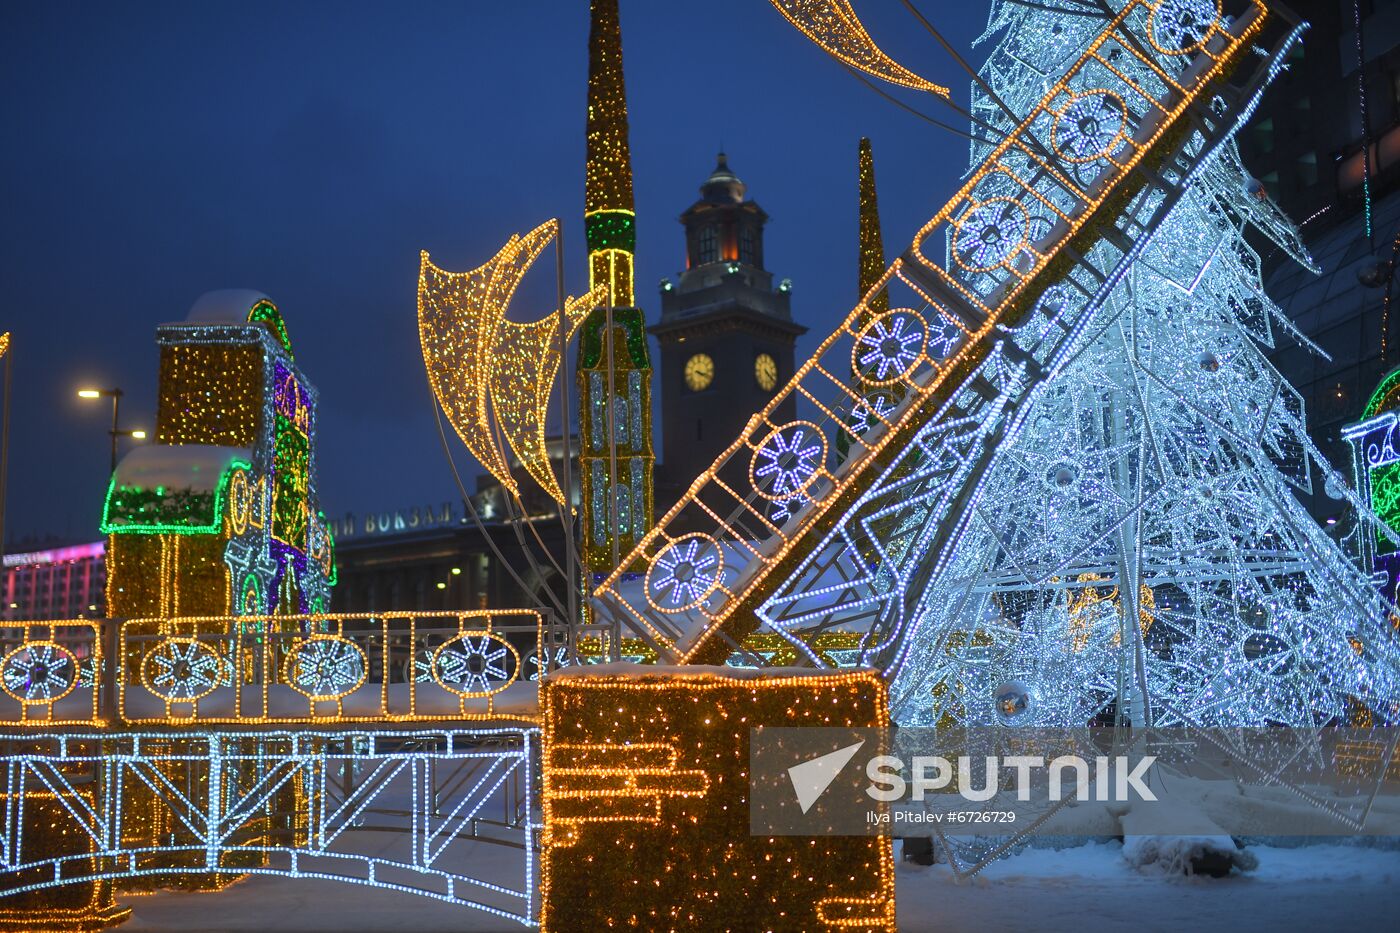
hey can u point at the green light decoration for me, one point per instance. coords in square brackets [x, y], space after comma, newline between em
[265, 312]
[156, 511]
[633, 323]
[291, 475]
[611, 230]
[1385, 501]
[1386, 396]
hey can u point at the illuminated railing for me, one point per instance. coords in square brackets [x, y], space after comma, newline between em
[351, 668]
[50, 672]
[1017, 236]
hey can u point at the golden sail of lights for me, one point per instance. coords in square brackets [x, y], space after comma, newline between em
[4, 344]
[834, 26]
[480, 364]
[526, 360]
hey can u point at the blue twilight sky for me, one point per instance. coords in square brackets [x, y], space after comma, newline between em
[310, 149]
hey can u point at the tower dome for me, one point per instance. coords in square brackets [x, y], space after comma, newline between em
[723, 186]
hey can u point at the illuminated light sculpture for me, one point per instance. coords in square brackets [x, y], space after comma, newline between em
[1107, 410]
[1375, 447]
[199, 768]
[220, 514]
[871, 239]
[614, 364]
[384, 667]
[527, 359]
[834, 26]
[493, 376]
[214, 796]
[1029, 238]
[646, 812]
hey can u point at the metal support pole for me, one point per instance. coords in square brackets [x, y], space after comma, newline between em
[116, 404]
[571, 568]
[5, 453]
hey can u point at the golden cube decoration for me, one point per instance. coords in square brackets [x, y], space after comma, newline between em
[646, 804]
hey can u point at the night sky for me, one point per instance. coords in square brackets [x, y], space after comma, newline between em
[310, 150]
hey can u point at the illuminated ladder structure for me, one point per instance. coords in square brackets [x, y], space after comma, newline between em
[1036, 240]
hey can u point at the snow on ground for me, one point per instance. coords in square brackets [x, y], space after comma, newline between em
[1320, 887]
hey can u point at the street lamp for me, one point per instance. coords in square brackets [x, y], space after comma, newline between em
[116, 396]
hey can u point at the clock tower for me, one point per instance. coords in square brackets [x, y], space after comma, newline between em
[726, 334]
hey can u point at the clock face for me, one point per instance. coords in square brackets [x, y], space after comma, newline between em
[699, 372]
[765, 370]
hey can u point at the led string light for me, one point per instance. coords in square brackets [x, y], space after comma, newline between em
[646, 814]
[834, 26]
[459, 318]
[43, 822]
[526, 362]
[214, 797]
[185, 663]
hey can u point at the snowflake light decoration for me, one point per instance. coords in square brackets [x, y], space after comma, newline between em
[326, 667]
[943, 338]
[787, 461]
[784, 509]
[685, 573]
[183, 669]
[475, 664]
[990, 234]
[1089, 127]
[870, 411]
[39, 672]
[560, 659]
[889, 346]
[1182, 25]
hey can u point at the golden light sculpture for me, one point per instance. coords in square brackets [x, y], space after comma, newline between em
[526, 361]
[646, 809]
[872, 243]
[1086, 611]
[4, 344]
[834, 26]
[461, 316]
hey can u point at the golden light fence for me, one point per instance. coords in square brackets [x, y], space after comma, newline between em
[50, 672]
[389, 667]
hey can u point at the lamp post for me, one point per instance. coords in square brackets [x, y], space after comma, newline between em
[116, 396]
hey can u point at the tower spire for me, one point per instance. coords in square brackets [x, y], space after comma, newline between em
[614, 363]
[872, 245]
[608, 209]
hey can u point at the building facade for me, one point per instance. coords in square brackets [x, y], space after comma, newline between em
[726, 334]
[434, 558]
[1325, 143]
[55, 583]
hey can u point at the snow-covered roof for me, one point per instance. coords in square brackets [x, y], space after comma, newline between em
[224, 306]
[195, 467]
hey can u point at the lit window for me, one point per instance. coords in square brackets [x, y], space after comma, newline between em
[709, 245]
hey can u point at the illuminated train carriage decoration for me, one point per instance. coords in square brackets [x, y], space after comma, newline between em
[1375, 450]
[219, 516]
